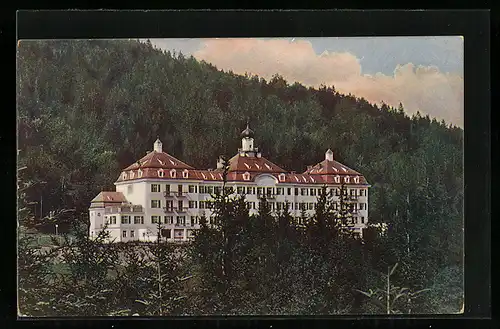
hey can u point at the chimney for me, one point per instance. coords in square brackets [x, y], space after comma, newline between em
[220, 162]
[329, 155]
[309, 168]
[158, 146]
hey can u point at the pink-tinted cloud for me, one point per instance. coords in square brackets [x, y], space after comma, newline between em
[422, 88]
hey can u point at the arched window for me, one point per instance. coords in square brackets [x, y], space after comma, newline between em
[124, 175]
[185, 173]
[132, 174]
[337, 179]
[139, 173]
[346, 179]
[173, 173]
[356, 179]
[281, 177]
[161, 173]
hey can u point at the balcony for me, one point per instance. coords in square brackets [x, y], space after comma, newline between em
[168, 210]
[124, 209]
[181, 194]
[181, 209]
[267, 196]
[168, 194]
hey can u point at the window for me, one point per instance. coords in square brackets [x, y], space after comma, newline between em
[132, 234]
[217, 190]
[210, 189]
[192, 204]
[362, 220]
[131, 174]
[161, 173]
[303, 191]
[346, 179]
[139, 173]
[240, 189]
[296, 191]
[259, 190]
[180, 205]
[113, 220]
[269, 191]
[296, 206]
[185, 174]
[191, 189]
[281, 177]
[173, 173]
[155, 203]
[166, 233]
[167, 189]
[125, 219]
[246, 176]
[138, 219]
[202, 204]
[155, 187]
[169, 219]
[155, 219]
[352, 192]
[181, 220]
[289, 191]
[249, 190]
[311, 206]
[337, 179]
[356, 179]
[124, 234]
[194, 220]
[124, 175]
[312, 192]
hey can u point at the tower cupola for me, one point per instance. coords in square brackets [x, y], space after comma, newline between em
[158, 146]
[329, 155]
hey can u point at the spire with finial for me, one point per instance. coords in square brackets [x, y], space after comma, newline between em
[248, 133]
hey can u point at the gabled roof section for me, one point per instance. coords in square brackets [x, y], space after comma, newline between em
[327, 167]
[109, 197]
[159, 160]
[240, 163]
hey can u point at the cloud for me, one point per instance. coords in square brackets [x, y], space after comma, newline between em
[418, 88]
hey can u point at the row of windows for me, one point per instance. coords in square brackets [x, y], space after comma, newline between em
[124, 219]
[180, 220]
[208, 204]
[259, 190]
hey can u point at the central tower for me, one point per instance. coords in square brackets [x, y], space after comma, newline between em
[247, 145]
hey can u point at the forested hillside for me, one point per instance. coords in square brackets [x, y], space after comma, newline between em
[87, 109]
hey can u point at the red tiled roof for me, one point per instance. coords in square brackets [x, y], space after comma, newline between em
[159, 160]
[240, 163]
[327, 167]
[110, 197]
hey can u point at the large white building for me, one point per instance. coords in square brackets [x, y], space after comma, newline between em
[162, 188]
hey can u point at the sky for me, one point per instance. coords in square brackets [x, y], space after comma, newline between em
[425, 74]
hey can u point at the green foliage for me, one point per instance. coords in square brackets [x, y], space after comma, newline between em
[87, 108]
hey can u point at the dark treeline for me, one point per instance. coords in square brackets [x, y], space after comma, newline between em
[86, 109]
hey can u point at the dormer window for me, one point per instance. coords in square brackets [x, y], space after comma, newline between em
[281, 177]
[161, 173]
[346, 179]
[246, 176]
[337, 179]
[124, 175]
[139, 173]
[356, 179]
[185, 174]
[132, 174]
[173, 173]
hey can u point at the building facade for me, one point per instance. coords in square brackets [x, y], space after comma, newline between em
[161, 188]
